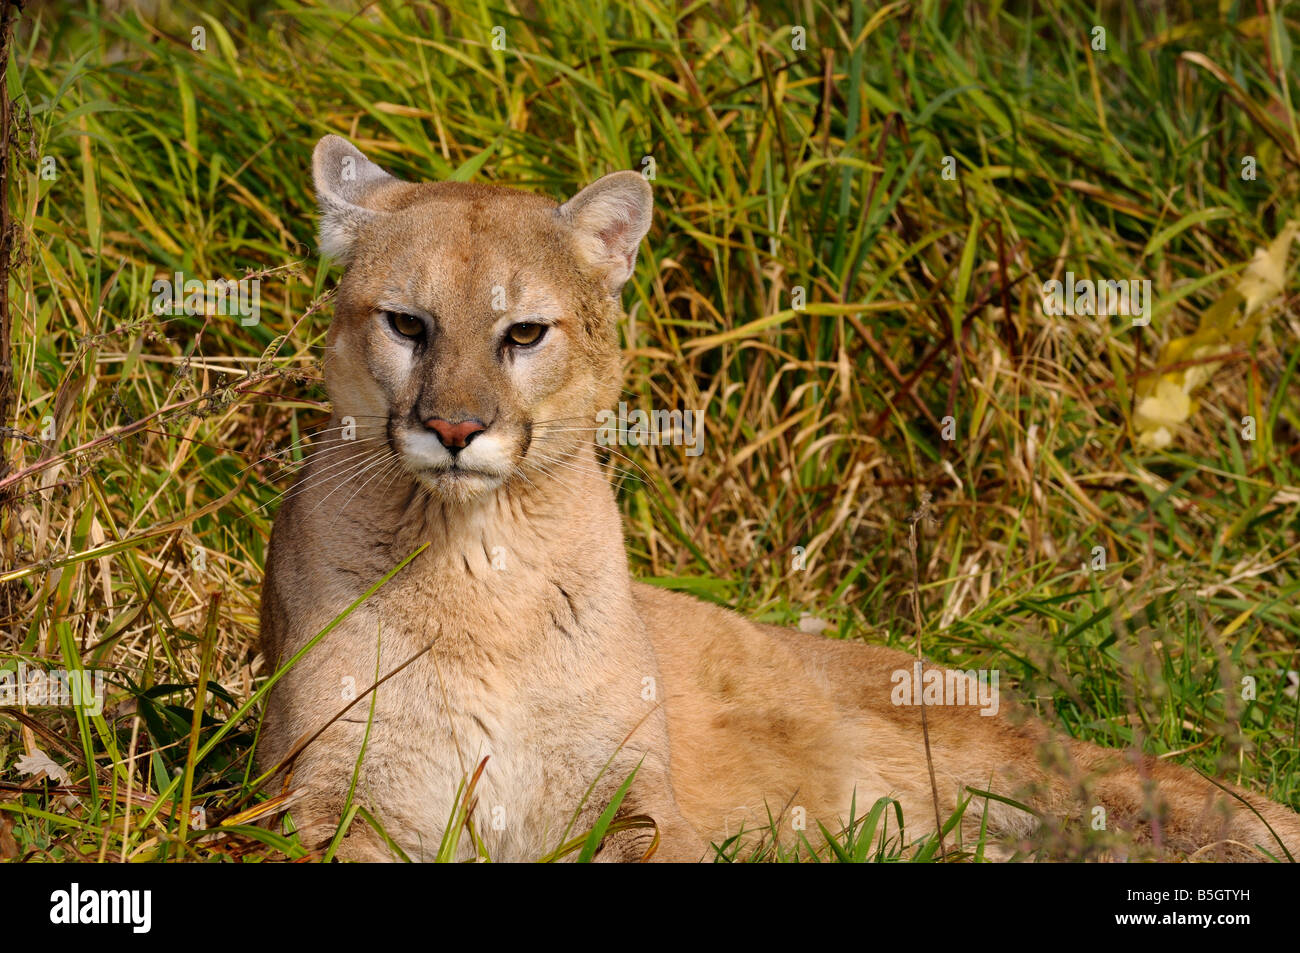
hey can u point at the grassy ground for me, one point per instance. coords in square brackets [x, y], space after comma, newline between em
[140, 498]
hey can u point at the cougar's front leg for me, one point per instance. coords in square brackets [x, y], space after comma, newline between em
[321, 774]
[652, 796]
[316, 813]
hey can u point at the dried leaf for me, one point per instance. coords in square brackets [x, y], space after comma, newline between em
[39, 762]
[8, 846]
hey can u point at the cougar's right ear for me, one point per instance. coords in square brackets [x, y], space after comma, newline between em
[609, 218]
[346, 185]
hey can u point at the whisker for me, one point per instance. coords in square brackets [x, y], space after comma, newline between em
[538, 423]
[396, 473]
[591, 471]
[326, 458]
[273, 456]
[315, 479]
[519, 471]
[393, 461]
[352, 475]
[618, 453]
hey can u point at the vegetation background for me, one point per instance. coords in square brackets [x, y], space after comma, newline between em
[1125, 587]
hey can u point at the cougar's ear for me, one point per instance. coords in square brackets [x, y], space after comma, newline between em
[609, 218]
[346, 185]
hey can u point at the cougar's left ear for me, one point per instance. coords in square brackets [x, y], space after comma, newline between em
[346, 187]
[609, 218]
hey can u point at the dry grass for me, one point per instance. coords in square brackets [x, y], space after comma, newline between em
[775, 169]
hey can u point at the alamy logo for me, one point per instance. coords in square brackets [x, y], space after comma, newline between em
[657, 428]
[56, 688]
[939, 686]
[133, 907]
[224, 296]
[1085, 296]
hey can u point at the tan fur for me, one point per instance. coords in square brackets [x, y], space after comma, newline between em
[530, 642]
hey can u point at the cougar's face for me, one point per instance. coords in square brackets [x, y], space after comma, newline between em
[474, 328]
[466, 341]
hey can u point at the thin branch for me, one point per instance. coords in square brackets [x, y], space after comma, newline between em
[922, 513]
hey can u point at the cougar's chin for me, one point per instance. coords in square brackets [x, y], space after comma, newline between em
[457, 483]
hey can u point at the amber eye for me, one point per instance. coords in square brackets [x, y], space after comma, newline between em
[523, 335]
[405, 324]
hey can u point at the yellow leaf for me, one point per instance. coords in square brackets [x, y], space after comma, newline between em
[1158, 414]
[1264, 277]
[1165, 402]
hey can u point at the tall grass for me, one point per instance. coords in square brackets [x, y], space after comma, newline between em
[814, 283]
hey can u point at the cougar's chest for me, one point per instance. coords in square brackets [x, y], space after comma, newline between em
[489, 685]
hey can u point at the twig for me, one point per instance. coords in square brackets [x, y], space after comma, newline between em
[922, 513]
[220, 394]
[12, 10]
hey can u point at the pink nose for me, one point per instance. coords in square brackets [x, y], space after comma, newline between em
[455, 436]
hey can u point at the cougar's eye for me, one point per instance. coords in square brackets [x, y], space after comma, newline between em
[526, 334]
[406, 325]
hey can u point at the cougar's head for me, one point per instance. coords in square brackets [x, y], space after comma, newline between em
[475, 326]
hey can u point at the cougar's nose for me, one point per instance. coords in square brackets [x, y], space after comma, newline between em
[455, 437]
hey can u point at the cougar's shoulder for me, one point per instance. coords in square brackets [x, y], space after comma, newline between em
[752, 720]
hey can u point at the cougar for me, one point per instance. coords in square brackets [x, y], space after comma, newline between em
[473, 344]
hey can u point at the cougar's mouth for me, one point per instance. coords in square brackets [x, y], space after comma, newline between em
[479, 467]
[455, 480]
